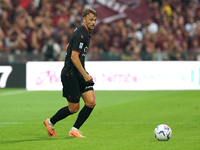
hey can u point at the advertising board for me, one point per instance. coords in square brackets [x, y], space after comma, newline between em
[121, 75]
[12, 75]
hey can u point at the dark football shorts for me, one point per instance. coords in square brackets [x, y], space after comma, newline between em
[74, 86]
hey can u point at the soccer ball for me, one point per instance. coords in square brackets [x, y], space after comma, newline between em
[162, 132]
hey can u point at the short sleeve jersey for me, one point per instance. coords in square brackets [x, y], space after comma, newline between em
[79, 42]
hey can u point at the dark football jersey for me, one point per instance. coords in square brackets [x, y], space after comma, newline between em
[79, 42]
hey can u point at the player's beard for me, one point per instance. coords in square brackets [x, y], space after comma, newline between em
[91, 27]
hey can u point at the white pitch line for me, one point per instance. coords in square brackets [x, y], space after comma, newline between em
[13, 93]
[11, 123]
[105, 123]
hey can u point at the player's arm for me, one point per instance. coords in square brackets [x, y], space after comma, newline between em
[76, 61]
[66, 47]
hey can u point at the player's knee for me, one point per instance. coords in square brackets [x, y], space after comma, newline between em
[74, 109]
[91, 103]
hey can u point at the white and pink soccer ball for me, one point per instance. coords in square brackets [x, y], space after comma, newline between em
[163, 132]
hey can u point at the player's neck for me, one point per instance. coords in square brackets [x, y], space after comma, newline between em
[86, 28]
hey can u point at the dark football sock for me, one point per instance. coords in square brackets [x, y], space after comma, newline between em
[82, 116]
[61, 114]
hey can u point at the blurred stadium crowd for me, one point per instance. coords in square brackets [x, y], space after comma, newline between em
[40, 30]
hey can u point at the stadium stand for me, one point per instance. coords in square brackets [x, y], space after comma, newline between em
[171, 33]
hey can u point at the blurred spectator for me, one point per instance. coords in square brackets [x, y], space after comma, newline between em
[51, 50]
[197, 16]
[167, 8]
[96, 54]
[147, 52]
[179, 37]
[127, 54]
[166, 49]
[63, 44]
[113, 53]
[159, 55]
[2, 45]
[191, 26]
[4, 22]
[152, 27]
[185, 47]
[195, 46]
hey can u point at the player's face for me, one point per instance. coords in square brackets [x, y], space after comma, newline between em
[90, 21]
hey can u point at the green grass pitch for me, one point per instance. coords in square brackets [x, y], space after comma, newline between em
[121, 120]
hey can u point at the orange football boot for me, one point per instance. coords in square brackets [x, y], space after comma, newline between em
[75, 133]
[50, 128]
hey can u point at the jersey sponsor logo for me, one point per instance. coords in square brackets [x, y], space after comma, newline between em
[85, 49]
[81, 45]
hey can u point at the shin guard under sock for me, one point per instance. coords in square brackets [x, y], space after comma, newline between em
[82, 116]
[61, 114]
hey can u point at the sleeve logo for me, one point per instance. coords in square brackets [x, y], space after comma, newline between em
[81, 36]
[81, 45]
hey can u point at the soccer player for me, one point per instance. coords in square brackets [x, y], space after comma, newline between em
[75, 80]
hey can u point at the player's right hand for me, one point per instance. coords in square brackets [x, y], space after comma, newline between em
[88, 78]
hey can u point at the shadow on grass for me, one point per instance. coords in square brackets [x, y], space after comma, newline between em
[35, 139]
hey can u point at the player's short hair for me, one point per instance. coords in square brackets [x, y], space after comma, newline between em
[87, 11]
